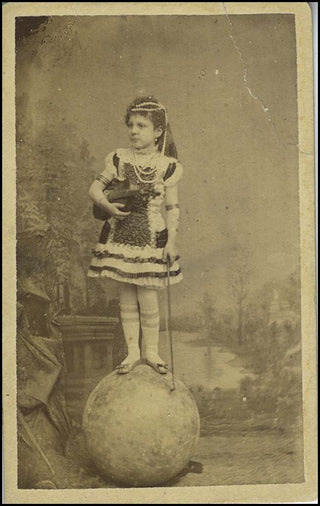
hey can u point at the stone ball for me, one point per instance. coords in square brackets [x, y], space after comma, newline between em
[139, 432]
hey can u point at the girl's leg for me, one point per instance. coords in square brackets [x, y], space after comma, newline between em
[129, 312]
[149, 312]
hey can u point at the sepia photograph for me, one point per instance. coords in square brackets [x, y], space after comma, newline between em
[160, 235]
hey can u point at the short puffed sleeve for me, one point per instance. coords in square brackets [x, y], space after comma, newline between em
[173, 173]
[111, 166]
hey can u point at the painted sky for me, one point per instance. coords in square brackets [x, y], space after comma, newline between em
[230, 88]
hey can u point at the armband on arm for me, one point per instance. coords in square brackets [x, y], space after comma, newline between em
[103, 180]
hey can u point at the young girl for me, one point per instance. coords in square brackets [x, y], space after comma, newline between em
[135, 248]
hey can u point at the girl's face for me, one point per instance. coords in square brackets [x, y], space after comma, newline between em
[142, 133]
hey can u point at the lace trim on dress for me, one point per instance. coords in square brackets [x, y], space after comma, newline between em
[138, 260]
[131, 275]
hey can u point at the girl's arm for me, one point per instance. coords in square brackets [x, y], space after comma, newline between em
[173, 213]
[96, 191]
[97, 195]
[102, 180]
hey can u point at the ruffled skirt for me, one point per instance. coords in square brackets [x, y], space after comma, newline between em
[142, 266]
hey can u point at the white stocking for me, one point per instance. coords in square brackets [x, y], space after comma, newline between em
[149, 312]
[129, 312]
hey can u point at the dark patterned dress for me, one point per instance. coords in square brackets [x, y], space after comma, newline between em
[132, 250]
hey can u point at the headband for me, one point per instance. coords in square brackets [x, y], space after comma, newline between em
[153, 106]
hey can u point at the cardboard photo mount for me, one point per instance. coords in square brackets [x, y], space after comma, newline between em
[270, 493]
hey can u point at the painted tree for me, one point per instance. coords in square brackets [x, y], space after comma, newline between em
[55, 227]
[54, 220]
[240, 270]
[209, 316]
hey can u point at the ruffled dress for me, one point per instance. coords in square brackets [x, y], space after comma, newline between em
[131, 250]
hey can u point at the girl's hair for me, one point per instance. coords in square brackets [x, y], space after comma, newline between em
[158, 115]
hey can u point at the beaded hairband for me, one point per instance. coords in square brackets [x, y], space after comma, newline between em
[155, 107]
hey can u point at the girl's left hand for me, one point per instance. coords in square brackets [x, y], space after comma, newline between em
[170, 251]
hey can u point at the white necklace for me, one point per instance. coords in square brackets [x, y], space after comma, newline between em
[140, 175]
[147, 163]
[145, 170]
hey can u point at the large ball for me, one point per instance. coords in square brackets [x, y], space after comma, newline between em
[138, 431]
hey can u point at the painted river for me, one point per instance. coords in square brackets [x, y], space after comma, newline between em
[209, 366]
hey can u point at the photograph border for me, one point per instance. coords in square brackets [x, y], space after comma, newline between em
[270, 493]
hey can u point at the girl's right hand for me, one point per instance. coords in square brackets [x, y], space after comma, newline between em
[114, 209]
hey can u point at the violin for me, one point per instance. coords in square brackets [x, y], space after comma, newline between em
[121, 191]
